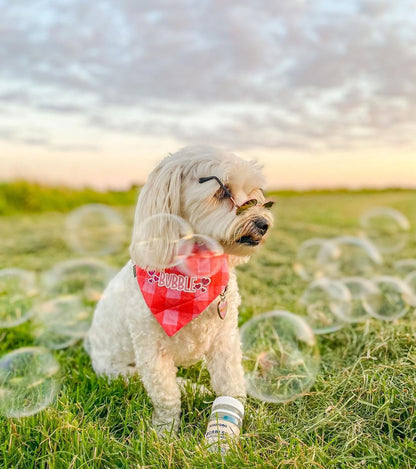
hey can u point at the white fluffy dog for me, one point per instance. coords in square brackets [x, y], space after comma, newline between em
[209, 189]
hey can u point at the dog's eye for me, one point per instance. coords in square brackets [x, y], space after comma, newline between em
[222, 193]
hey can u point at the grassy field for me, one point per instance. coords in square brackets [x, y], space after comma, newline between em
[359, 413]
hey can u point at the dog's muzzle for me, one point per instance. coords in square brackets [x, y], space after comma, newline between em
[258, 229]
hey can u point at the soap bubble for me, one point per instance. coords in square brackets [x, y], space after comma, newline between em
[395, 298]
[160, 241]
[308, 264]
[95, 230]
[61, 321]
[411, 282]
[18, 291]
[85, 277]
[51, 339]
[351, 257]
[202, 256]
[365, 298]
[280, 356]
[327, 303]
[28, 381]
[387, 228]
[404, 267]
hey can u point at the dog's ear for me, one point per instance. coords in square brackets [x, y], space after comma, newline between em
[157, 227]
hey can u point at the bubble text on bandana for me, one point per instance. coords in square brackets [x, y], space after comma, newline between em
[179, 282]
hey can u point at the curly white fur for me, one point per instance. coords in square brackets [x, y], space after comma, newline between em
[125, 337]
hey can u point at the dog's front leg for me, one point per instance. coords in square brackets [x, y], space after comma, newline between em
[224, 364]
[158, 374]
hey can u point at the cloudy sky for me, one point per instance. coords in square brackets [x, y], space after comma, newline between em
[322, 92]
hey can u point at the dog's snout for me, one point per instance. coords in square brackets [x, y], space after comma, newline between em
[262, 225]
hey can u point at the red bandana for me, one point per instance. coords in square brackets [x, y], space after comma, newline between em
[175, 298]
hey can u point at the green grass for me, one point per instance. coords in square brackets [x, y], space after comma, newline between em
[359, 413]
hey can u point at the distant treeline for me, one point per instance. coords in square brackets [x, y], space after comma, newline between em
[23, 196]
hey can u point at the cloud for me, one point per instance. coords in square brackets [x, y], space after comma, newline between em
[298, 75]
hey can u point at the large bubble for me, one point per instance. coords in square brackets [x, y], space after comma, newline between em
[395, 298]
[327, 302]
[161, 241]
[308, 264]
[61, 322]
[200, 256]
[280, 356]
[84, 277]
[28, 381]
[365, 298]
[387, 228]
[351, 257]
[95, 230]
[18, 291]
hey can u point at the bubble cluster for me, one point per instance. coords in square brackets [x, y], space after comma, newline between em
[28, 381]
[358, 265]
[18, 291]
[95, 230]
[280, 356]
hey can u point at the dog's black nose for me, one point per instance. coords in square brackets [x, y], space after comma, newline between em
[262, 225]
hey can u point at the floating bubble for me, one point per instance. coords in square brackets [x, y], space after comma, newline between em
[387, 228]
[51, 339]
[326, 302]
[395, 298]
[280, 356]
[202, 256]
[365, 298]
[350, 256]
[308, 264]
[61, 320]
[84, 277]
[18, 291]
[410, 280]
[28, 381]
[404, 267]
[95, 230]
[161, 241]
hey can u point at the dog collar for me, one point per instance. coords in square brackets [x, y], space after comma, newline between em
[175, 298]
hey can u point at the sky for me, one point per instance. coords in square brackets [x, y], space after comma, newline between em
[322, 93]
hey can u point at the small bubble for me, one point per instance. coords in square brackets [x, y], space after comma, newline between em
[28, 381]
[326, 302]
[387, 228]
[202, 256]
[18, 292]
[95, 230]
[395, 299]
[161, 241]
